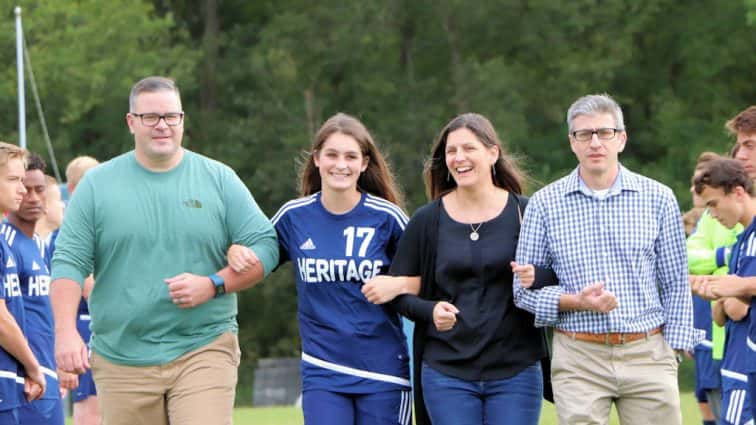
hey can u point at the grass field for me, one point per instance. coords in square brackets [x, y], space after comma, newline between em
[293, 416]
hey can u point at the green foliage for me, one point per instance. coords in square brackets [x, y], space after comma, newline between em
[86, 54]
[405, 67]
[751, 11]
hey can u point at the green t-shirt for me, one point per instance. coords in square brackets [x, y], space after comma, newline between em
[133, 228]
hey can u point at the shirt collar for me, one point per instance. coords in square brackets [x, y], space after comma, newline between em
[625, 181]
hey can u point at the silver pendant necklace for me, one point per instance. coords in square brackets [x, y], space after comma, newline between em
[474, 236]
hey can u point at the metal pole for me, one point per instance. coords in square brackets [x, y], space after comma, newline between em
[20, 67]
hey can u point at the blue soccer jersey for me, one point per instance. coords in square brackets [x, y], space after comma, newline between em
[707, 369]
[86, 386]
[752, 339]
[349, 345]
[47, 247]
[34, 276]
[734, 373]
[736, 396]
[747, 262]
[11, 371]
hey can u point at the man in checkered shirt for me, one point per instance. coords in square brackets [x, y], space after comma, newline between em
[622, 307]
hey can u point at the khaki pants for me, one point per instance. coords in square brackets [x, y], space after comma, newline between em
[640, 377]
[197, 388]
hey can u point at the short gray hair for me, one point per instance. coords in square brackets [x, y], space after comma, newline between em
[151, 85]
[594, 104]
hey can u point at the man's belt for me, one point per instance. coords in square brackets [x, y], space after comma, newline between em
[610, 338]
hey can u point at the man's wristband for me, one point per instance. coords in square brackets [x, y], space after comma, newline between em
[219, 284]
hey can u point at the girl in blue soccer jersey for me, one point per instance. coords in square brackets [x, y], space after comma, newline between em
[340, 234]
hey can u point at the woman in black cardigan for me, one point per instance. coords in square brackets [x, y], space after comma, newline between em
[476, 356]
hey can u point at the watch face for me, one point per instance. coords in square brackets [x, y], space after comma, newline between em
[220, 285]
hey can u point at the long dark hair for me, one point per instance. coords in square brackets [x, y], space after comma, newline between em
[377, 178]
[507, 174]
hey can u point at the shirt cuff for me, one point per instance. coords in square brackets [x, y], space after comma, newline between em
[547, 307]
[681, 337]
[268, 256]
[65, 271]
[721, 255]
[425, 309]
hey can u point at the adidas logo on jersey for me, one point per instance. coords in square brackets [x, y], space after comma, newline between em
[35, 266]
[10, 262]
[307, 245]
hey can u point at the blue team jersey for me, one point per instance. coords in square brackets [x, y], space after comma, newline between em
[749, 262]
[11, 371]
[48, 248]
[702, 318]
[734, 373]
[751, 341]
[86, 386]
[348, 344]
[736, 357]
[707, 369]
[34, 276]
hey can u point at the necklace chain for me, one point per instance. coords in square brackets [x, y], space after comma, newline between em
[474, 236]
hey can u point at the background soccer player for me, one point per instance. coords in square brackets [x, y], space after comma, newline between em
[34, 277]
[16, 357]
[85, 409]
[727, 190]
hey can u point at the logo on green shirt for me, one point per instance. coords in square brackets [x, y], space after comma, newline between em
[193, 203]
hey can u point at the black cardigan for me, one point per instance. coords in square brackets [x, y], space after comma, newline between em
[422, 232]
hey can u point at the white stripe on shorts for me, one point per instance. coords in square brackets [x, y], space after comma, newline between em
[405, 408]
[735, 408]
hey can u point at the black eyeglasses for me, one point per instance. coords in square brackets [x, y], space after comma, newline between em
[151, 119]
[601, 133]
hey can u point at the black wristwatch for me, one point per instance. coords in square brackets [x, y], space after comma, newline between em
[220, 285]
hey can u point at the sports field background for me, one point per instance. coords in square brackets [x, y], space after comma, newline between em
[293, 415]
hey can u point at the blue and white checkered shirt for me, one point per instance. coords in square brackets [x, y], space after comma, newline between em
[631, 239]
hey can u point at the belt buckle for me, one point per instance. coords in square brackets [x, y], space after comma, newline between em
[609, 340]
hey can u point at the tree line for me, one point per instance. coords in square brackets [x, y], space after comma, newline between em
[258, 78]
